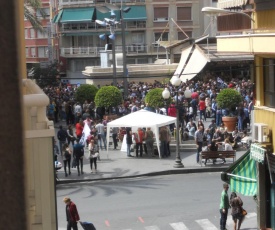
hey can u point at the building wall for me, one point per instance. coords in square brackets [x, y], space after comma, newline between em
[265, 19]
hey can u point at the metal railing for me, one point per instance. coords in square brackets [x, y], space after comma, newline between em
[78, 2]
[95, 51]
[72, 2]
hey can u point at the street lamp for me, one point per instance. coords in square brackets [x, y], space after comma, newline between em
[166, 96]
[105, 9]
[175, 81]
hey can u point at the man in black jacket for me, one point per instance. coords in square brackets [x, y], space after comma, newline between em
[62, 137]
[78, 153]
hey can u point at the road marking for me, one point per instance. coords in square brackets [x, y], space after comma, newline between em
[107, 223]
[152, 228]
[178, 226]
[206, 224]
[141, 220]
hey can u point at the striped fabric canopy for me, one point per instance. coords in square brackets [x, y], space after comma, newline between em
[243, 178]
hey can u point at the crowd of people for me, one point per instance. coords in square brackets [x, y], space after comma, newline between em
[193, 112]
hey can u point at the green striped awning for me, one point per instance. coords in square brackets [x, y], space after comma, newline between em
[137, 13]
[57, 17]
[76, 15]
[243, 176]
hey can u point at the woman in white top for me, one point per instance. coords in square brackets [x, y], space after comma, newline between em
[227, 145]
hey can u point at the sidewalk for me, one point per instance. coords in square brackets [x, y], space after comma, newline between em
[116, 165]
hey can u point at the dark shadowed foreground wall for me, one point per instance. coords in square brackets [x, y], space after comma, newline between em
[12, 191]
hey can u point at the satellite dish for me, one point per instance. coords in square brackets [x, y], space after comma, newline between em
[100, 22]
[102, 9]
[111, 6]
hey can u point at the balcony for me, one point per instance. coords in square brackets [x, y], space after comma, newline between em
[134, 49]
[249, 41]
[85, 2]
[75, 2]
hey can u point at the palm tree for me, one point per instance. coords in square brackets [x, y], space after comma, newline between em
[30, 7]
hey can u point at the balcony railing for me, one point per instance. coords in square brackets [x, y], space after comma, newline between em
[93, 27]
[75, 2]
[78, 2]
[95, 51]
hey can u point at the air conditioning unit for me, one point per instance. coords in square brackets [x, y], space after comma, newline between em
[260, 133]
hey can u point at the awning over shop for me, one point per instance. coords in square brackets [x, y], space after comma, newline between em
[74, 15]
[195, 64]
[58, 16]
[242, 176]
[230, 3]
[184, 55]
[137, 13]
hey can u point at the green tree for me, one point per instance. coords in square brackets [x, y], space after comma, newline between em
[30, 7]
[86, 92]
[154, 98]
[229, 99]
[108, 96]
[45, 76]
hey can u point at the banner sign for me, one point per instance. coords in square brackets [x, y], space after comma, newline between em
[257, 153]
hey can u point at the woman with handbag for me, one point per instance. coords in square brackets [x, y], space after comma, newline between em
[66, 156]
[237, 210]
[93, 155]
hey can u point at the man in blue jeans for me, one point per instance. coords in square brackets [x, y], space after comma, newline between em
[199, 141]
[224, 206]
[78, 153]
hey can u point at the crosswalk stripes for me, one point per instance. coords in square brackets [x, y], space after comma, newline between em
[206, 224]
[178, 226]
[152, 228]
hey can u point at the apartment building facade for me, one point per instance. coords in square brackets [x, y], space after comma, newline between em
[256, 36]
[146, 23]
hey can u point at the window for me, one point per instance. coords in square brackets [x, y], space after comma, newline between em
[138, 38]
[32, 33]
[161, 14]
[43, 11]
[269, 83]
[184, 13]
[33, 52]
[42, 34]
[161, 36]
[42, 51]
[182, 36]
[26, 33]
[27, 51]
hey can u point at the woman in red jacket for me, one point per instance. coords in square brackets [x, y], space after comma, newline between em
[202, 108]
[79, 128]
[71, 214]
[172, 110]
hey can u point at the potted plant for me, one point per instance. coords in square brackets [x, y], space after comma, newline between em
[229, 99]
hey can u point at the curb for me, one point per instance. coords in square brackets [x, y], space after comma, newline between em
[160, 173]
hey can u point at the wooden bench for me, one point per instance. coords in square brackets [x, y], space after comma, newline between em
[217, 154]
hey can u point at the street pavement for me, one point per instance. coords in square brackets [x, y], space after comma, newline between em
[114, 164]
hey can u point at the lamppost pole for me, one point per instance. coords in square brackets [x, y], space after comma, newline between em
[178, 163]
[166, 94]
[124, 75]
[114, 62]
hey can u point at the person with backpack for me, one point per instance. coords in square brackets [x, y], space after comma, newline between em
[78, 153]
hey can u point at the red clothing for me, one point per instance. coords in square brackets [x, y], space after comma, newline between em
[78, 129]
[202, 105]
[172, 111]
[72, 213]
[139, 137]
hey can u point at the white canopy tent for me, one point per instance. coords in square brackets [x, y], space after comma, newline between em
[142, 119]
